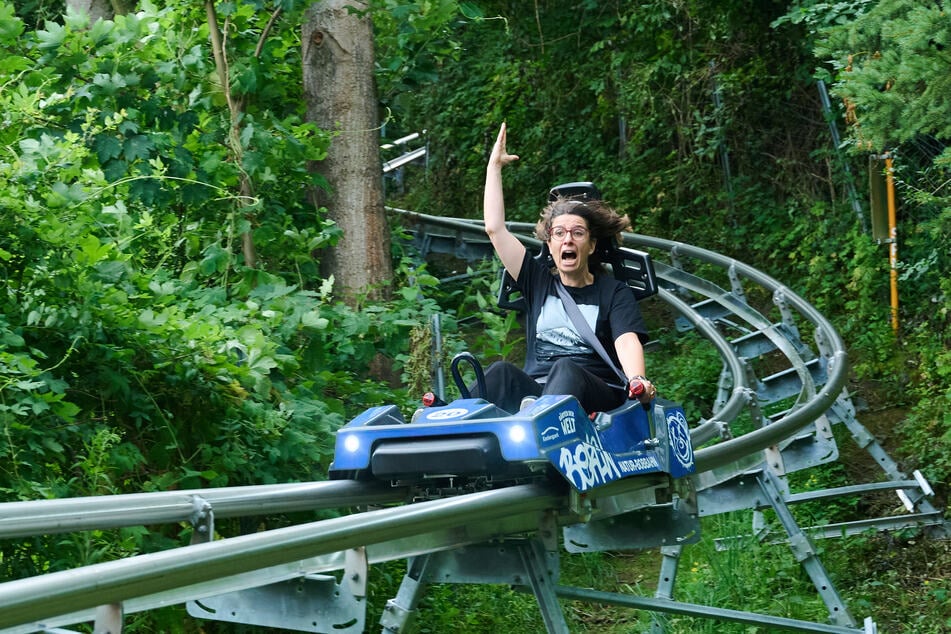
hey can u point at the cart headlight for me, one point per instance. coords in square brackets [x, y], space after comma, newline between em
[517, 433]
[351, 443]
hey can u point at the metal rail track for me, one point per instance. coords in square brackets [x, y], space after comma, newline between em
[734, 471]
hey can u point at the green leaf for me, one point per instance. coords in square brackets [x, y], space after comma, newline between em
[52, 38]
[246, 135]
[107, 147]
[313, 319]
[150, 319]
[11, 64]
[110, 84]
[115, 170]
[100, 30]
[10, 26]
[61, 194]
[216, 260]
[138, 146]
[28, 386]
[65, 410]
[91, 250]
[427, 280]
[111, 271]
[471, 10]
[11, 339]
[52, 445]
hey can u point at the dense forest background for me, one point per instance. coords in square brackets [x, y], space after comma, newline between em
[140, 352]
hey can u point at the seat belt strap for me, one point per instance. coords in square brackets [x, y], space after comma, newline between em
[574, 313]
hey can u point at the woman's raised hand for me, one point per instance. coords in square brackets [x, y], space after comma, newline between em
[500, 156]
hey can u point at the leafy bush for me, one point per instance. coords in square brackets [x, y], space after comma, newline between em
[137, 350]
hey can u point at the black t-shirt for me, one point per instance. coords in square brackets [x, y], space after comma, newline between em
[608, 306]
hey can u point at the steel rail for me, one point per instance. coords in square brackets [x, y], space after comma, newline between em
[59, 593]
[40, 517]
[670, 606]
[742, 392]
[744, 311]
[434, 538]
[757, 440]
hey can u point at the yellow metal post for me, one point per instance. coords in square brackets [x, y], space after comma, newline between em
[892, 240]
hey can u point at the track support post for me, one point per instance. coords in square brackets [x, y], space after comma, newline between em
[542, 580]
[669, 564]
[400, 611]
[108, 619]
[804, 551]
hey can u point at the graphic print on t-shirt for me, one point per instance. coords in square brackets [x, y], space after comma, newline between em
[555, 335]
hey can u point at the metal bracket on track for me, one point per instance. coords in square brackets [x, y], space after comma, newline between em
[311, 603]
[520, 562]
[676, 523]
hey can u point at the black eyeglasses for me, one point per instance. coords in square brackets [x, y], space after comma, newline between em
[560, 233]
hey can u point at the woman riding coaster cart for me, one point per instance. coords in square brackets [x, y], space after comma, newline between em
[582, 324]
[560, 359]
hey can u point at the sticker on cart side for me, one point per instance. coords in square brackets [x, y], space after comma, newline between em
[585, 464]
[679, 438]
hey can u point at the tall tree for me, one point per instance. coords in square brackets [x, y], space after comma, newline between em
[99, 9]
[340, 91]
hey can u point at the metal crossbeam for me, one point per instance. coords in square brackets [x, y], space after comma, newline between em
[708, 612]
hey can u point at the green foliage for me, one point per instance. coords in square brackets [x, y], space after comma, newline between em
[926, 433]
[476, 609]
[498, 334]
[34, 12]
[747, 576]
[137, 351]
[411, 40]
[900, 580]
[618, 94]
[818, 15]
[688, 374]
[891, 64]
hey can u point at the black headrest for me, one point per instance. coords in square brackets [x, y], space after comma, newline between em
[581, 190]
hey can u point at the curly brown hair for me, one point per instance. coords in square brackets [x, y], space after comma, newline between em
[603, 221]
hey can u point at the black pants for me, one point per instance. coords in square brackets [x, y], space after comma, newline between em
[507, 384]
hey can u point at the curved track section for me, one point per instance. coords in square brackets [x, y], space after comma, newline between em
[776, 402]
[708, 307]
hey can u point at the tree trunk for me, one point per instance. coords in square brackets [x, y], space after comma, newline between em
[99, 9]
[340, 92]
[95, 9]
